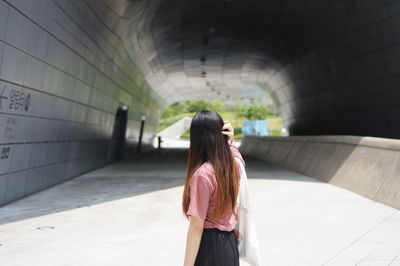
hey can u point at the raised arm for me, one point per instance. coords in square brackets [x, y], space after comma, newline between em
[227, 130]
[236, 153]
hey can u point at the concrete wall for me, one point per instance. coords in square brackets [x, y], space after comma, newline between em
[332, 67]
[340, 75]
[63, 73]
[368, 166]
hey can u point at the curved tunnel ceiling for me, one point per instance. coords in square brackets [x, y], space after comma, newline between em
[330, 65]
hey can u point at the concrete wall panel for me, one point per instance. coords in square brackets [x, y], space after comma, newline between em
[62, 68]
[366, 165]
[16, 185]
[3, 188]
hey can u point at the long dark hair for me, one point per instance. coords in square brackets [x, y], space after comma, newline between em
[207, 143]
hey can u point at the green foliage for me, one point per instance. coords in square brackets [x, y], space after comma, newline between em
[241, 111]
[192, 106]
[252, 112]
[218, 106]
[197, 105]
[256, 111]
[175, 109]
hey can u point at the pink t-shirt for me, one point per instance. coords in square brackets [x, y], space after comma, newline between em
[203, 196]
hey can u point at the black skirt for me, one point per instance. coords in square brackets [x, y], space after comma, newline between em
[218, 248]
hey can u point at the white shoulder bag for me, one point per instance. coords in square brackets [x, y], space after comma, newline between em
[248, 243]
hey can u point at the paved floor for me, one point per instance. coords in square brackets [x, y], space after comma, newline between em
[130, 214]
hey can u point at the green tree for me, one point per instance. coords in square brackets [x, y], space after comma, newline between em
[257, 112]
[252, 112]
[241, 111]
[197, 105]
[218, 106]
[173, 110]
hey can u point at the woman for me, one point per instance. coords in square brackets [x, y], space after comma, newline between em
[211, 191]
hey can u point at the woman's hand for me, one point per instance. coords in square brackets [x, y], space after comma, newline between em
[227, 129]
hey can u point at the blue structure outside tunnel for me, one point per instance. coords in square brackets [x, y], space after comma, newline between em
[255, 128]
[332, 68]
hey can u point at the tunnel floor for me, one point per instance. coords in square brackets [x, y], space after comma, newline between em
[129, 213]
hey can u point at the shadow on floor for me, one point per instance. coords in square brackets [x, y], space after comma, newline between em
[152, 171]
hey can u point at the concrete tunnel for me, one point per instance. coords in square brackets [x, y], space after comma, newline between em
[70, 68]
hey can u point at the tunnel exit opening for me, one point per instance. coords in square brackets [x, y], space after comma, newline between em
[117, 142]
[248, 116]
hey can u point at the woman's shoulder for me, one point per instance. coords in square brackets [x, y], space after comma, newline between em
[205, 168]
[205, 171]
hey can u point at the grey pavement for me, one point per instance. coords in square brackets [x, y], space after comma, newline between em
[129, 213]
